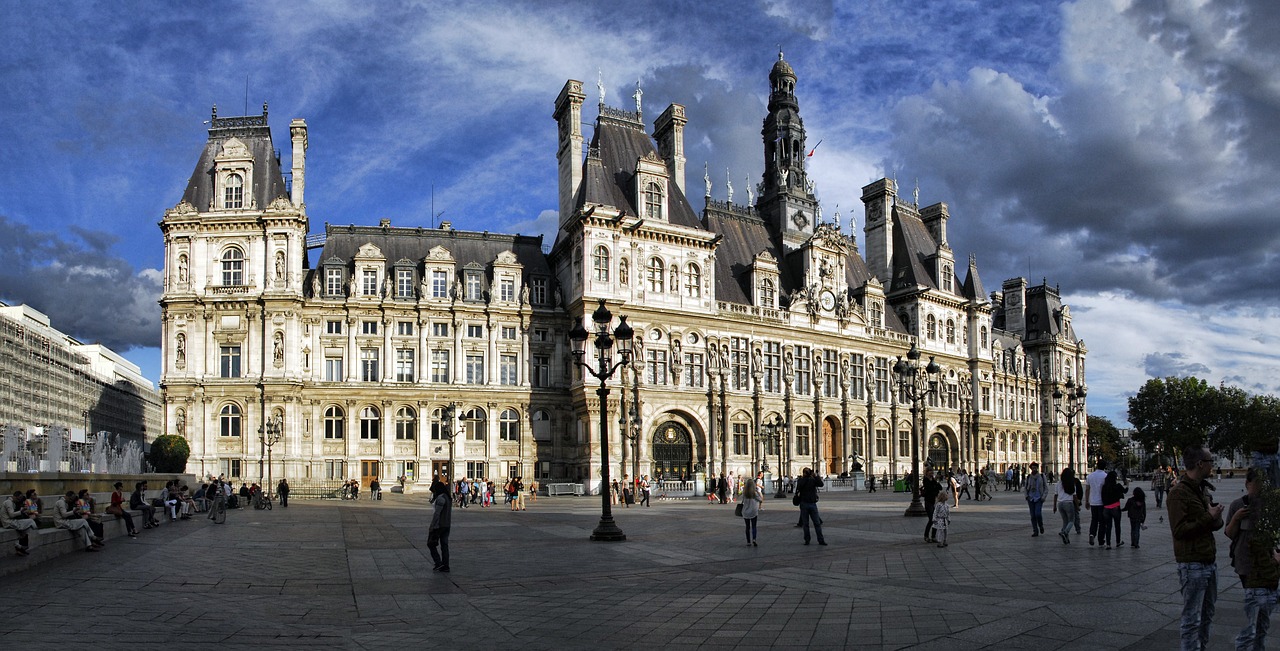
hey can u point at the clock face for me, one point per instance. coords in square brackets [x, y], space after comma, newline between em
[799, 219]
[828, 300]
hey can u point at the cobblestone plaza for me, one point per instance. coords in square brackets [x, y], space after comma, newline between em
[357, 575]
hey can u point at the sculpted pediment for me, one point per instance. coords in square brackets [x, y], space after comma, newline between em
[369, 250]
[438, 253]
[506, 257]
[234, 148]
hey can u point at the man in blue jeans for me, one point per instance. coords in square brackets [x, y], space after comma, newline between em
[807, 491]
[1037, 490]
[1192, 519]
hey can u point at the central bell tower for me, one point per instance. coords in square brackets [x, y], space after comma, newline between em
[786, 195]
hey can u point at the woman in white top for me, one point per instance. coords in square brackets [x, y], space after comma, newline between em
[751, 504]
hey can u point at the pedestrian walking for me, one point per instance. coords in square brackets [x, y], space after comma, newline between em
[1093, 498]
[1112, 492]
[645, 489]
[929, 490]
[1255, 561]
[940, 519]
[1037, 489]
[807, 499]
[752, 501]
[1066, 501]
[438, 530]
[282, 489]
[1136, 507]
[1158, 485]
[963, 479]
[1193, 518]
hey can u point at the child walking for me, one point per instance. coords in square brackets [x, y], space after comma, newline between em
[1136, 506]
[941, 517]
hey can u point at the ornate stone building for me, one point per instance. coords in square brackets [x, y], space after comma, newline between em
[745, 314]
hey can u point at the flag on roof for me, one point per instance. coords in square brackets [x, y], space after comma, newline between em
[815, 148]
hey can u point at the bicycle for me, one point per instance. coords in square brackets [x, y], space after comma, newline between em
[262, 502]
[218, 511]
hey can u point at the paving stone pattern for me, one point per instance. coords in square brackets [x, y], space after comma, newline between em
[357, 575]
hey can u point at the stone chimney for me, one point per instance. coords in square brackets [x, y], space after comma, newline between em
[568, 117]
[298, 131]
[668, 129]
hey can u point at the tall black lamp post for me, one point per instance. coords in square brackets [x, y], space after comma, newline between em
[607, 530]
[269, 433]
[629, 425]
[1075, 396]
[916, 383]
[449, 431]
[775, 432]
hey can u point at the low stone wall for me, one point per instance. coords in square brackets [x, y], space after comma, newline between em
[58, 483]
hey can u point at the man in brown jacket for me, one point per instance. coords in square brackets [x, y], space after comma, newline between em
[1193, 518]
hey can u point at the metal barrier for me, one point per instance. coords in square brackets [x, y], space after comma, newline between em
[564, 489]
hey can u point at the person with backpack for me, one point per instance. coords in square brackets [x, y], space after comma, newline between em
[1036, 490]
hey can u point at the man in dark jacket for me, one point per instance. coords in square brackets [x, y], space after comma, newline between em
[441, 521]
[1192, 519]
[807, 491]
[1255, 560]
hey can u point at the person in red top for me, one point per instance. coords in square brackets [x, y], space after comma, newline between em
[117, 509]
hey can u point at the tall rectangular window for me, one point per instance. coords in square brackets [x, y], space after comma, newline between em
[439, 284]
[538, 291]
[333, 327]
[229, 361]
[694, 370]
[439, 329]
[369, 327]
[474, 287]
[369, 365]
[440, 366]
[882, 443]
[540, 371]
[855, 439]
[740, 439]
[831, 373]
[740, 363]
[333, 369]
[333, 281]
[509, 332]
[404, 283]
[507, 289]
[802, 440]
[508, 370]
[335, 469]
[882, 379]
[656, 368]
[475, 331]
[404, 365]
[475, 470]
[986, 399]
[904, 444]
[404, 328]
[475, 368]
[804, 376]
[772, 367]
[369, 282]
[857, 377]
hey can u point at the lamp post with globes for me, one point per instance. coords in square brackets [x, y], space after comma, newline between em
[775, 432]
[607, 530]
[269, 433]
[916, 383]
[1075, 396]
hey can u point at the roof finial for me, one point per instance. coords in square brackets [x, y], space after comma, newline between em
[637, 95]
[600, 86]
[746, 183]
[706, 177]
[779, 51]
[915, 194]
[728, 184]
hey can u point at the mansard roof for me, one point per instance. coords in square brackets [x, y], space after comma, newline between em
[912, 247]
[268, 180]
[972, 286]
[467, 247]
[1044, 313]
[609, 172]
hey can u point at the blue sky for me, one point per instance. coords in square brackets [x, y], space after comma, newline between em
[1126, 150]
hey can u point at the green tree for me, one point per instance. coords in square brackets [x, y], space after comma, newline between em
[169, 454]
[1171, 413]
[1104, 439]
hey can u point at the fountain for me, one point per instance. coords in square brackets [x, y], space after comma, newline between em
[45, 458]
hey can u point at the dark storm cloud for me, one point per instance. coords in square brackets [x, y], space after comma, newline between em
[87, 292]
[1143, 173]
[1160, 365]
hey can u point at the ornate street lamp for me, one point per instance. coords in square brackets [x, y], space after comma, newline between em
[450, 432]
[607, 530]
[270, 433]
[915, 384]
[1075, 396]
[775, 432]
[629, 425]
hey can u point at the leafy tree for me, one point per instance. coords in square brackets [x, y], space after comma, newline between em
[1104, 438]
[169, 454]
[1172, 413]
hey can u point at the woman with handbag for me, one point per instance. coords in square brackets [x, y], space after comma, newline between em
[749, 508]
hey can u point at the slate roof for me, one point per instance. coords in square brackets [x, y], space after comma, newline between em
[912, 247]
[268, 180]
[972, 286]
[1044, 309]
[610, 178]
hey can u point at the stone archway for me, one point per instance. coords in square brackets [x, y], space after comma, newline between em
[938, 451]
[673, 451]
[833, 445]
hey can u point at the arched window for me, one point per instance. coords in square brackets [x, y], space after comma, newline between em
[951, 331]
[693, 281]
[233, 192]
[931, 327]
[768, 293]
[229, 420]
[947, 278]
[475, 425]
[370, 423]
[232, 267]
[653, 201]
[509, 425]
[657, 270]
[439, 428]
[905, 319]
[335, 423]
[406, 424]
[982, 337]
[600, 263]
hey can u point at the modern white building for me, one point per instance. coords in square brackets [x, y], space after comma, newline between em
[745, 314]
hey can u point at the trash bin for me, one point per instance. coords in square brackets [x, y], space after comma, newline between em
[899, 485]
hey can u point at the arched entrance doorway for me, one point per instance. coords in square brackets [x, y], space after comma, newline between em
[939, 452]
[673, 452]
[833, 446]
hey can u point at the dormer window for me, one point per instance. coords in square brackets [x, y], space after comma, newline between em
[768, 293]
[233, 193]
[404, 283]
[600, 263]
[475, 290]
[332, 281]
[232, 267]
[369, 286]
[877, 314]
[653, 201]
[947, 277]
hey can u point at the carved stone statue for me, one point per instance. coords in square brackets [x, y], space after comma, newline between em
[706, 178]
[277, 350]
[180, 422]
[315, 283]
[182, 268]
[788, 366]
[757, 365]
[386, 286]
[637, 95]
[182, 351]
[351, 286]
[279, 266]
[751, 199]
[524, 294]
[624, 272]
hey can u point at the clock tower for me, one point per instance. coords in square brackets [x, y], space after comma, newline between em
[786, 200]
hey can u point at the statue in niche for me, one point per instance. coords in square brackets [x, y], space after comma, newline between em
[279, 266]
[386, 286]
[757, 365]
[788, 366]
[624, 272]
[456, 292]
[180, 422]
[277, 350]
[182, 351]
[524, 294]
[315, 283]
[352, 286]
[182, 268]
